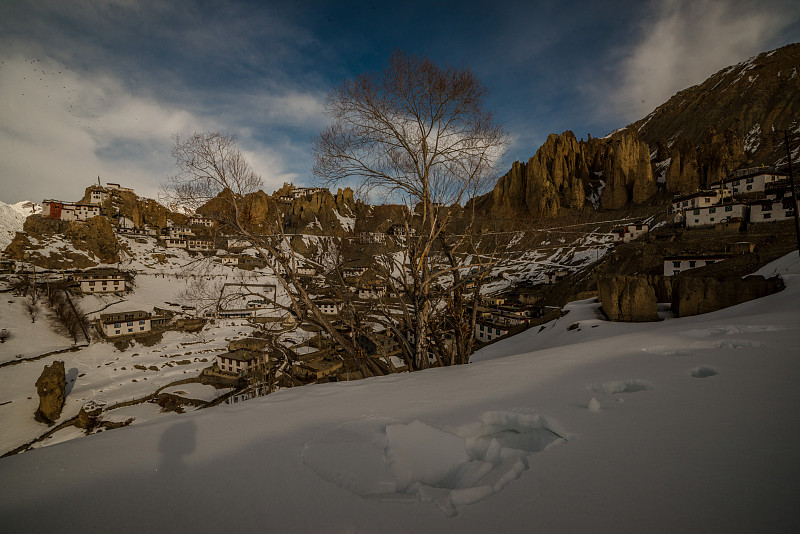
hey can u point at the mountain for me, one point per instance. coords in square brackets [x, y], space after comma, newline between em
[12, 217]
[733, 119]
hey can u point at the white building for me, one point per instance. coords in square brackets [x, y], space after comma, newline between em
[771, 210]
[174, 242]
[101, 281]
[69, 211]
[200, 245]
[97, 195]
[117, 187]
[229, 259]
[698, 199]
[201, 221]
[752, 183]
[711, 215]
[371, 237]
[241, 361]
[179, 231]
[677, 264]
[327, 307]
[629, 232]
[489, 330]
[125, 323]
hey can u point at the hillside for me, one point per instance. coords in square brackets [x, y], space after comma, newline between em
[734, 119]
[604, 428]
[12, 218]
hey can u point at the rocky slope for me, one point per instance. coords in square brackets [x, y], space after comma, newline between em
[733, 119]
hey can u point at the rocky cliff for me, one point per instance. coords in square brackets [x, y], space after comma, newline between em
[556, 180]
[52, 389]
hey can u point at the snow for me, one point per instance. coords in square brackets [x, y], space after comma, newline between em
[12, 217]
[681, 425]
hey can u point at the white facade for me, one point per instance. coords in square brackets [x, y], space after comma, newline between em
[630, 232]
[104, 285]
[97, 196]
[771, 211]
[751, 184]
[371, 237]
[229, 260]
[306, 271]
[118, 187]
[696, 200]
[201, 221]
[200, 245]
[677, 264]
[125, 326]
[711, 215]
[328, 307]
[174, 242]
[179, 231]
[487, 331]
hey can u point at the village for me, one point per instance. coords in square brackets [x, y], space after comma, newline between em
[292, 353]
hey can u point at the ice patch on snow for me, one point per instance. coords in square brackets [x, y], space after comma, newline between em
[386, 461]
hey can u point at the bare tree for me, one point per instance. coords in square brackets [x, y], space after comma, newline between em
[32, 306]
[214, 176]
[415, 133]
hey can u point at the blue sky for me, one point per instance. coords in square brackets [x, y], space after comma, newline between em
[92, 88]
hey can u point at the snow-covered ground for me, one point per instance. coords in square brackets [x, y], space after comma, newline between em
[687, 425]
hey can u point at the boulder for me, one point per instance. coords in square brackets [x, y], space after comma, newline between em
[51, 387]
[627, 298]
[696, 295]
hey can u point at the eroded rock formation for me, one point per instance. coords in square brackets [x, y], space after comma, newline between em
[627, 298]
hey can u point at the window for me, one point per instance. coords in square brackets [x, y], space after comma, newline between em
[116, 325]
[676, 264]
[116, 331]
[696, 212]
[766, 207]
[749, 181]
[749, 187]
[130, 323]
[141, 322]
[767, 215]
[675, 272]
[712, 210]
[692, 263]
[728, 208]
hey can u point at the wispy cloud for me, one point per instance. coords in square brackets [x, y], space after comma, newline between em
[683, 42]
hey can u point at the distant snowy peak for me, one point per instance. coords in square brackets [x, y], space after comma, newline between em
[12, 217]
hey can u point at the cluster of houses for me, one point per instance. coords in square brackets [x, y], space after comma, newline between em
[76, 211]
[755, 195]
[298, 192]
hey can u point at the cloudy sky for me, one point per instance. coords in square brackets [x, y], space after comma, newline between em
[98, 88]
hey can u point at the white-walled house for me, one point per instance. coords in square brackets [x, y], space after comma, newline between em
[200, 245]
[489, 330]
[201, 221]
[629, 232]
[698, 199]
[763, 211]
[305, 271]
[752, 183]
[125, 323]
[240, 361]
[327, 306]
[677, 264]
[371, 292]
[174, 242]
[97, 195]
[69, 211]
[711, 215]
[101, 281]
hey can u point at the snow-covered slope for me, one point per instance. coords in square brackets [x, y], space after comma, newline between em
[12, 217]
[687, 425]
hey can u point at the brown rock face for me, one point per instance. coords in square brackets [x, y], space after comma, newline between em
[628, 298]
[51, 387]
[696, 295]
[554, 178]
[626, 171]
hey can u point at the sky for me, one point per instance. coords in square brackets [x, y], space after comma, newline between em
[94, 89]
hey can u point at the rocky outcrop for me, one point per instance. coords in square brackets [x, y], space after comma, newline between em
[555, 181]
[627, 298]
[51, 387]
[92, 242]
[627, 171]
[696, 295]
